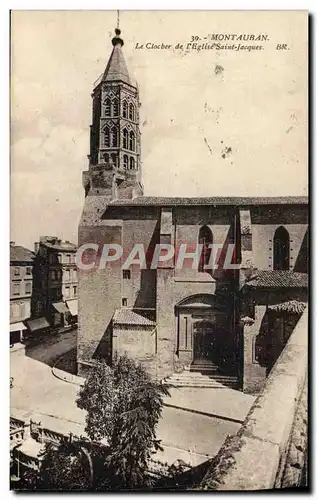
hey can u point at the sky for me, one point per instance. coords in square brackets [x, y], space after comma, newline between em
[213, 122]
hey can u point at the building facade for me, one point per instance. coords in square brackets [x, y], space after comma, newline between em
[55, 281]
[173, 318]
[21, 284]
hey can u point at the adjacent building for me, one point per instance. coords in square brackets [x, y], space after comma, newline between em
[229, 323]
[21, 284]
[55, 286]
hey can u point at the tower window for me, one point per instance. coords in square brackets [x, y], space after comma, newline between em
[205, 239]
[126, 274]
[125, 162]
[107, 107]
[114, 159]
[281, 249]
[125, 109]
[114, 137]
[132, 163]
[107, 137]
[125, 138]
[132, 141]
[115, 107]
[124, 302]
[131, 112]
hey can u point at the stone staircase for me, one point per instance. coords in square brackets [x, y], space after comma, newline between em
[202, 376]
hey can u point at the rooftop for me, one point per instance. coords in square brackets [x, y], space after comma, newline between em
[216, 200]
[20, 254]
[57, 244]
[277, 279]
[133, 317]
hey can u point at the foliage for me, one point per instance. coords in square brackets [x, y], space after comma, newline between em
[65, 467]
[123, 408]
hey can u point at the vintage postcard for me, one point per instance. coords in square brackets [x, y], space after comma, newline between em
[159, 253]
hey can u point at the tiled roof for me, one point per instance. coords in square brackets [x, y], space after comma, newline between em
[217, 200]
[129, 317]
[291, 306]
[21, 254]
[277, 279]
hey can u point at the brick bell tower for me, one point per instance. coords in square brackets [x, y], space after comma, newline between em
[114, 159]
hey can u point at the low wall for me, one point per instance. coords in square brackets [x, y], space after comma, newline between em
[269, 450]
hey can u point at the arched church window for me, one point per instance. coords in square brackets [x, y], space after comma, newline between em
[115, 107]
[106, 158]
[281, 249]
[132, 163]
[114, 159]
[114, 137]
[125, 109]
[131, 112]
[132, 141]
[125, 138]
[125, 162]
[107, 107]
[205, 239]
[107, 137]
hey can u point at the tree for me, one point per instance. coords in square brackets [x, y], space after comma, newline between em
[123, 408]
[66, 467]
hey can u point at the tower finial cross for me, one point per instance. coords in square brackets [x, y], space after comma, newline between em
[117, 19]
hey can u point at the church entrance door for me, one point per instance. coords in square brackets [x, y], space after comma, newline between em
[203, 341]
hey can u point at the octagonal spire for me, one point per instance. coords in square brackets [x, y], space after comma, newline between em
[116, 69]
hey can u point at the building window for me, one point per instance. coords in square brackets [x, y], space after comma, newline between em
[125, 138]
[126, 274]
[75, 290]
[281, 249]
[16, 271]
[124, 302]
[132, 141]
[125, 109]
[114, 159]
[131, 112]
[132, 163]
[68, 259]
[107, 137]
[106, 158]
[205, 239]
[107, 107]
[15, 311]
[16, 289]
[74, 274]
[67, 292]
[28, 288]
[115, 107]
[28, 271]
[67, 274]
[114, 137]
[125, 162]
[53, 274]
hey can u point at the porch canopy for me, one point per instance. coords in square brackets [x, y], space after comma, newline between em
[72, 306]
[17, 327]
[37, 324]
[60, 307]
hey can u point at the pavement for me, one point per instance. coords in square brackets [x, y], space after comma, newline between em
[190, 428]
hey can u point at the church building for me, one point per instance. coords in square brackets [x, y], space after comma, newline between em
[228, 325]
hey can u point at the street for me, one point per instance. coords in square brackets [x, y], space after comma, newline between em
[50, 349]
[185, 434]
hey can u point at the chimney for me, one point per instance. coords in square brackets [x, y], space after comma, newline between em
[36, 247]
[12, 243]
